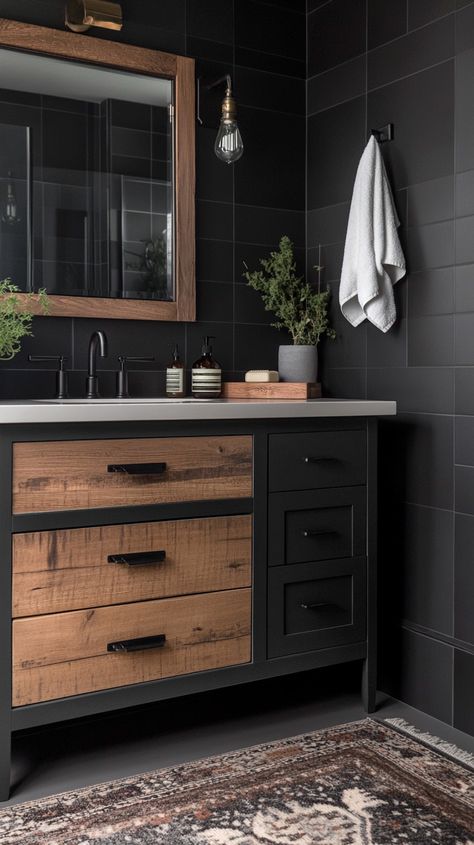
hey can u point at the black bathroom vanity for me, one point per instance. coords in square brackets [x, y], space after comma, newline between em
[152, 549]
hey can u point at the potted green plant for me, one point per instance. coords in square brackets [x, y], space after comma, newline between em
[297, 307]
[16, 317]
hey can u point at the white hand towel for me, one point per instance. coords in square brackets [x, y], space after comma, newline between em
[373, 258]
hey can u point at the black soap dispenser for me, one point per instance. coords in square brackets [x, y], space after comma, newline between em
[206, 378]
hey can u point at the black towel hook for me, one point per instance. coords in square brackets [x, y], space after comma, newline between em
[384, 134]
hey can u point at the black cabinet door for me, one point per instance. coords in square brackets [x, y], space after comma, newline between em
[316, 525]
[316, 605]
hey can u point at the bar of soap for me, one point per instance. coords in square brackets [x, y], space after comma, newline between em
[266, 376]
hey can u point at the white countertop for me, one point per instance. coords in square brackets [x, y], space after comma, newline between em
[146, 410]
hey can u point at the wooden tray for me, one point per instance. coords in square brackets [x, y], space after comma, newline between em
[269, 390]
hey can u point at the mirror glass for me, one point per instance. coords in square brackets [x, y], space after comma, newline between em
[86, 179]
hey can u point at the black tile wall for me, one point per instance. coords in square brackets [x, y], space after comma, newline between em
[242, 211]
[383, 27]
[336, 33]
[416, 70]
[420, 49]
[421, 12]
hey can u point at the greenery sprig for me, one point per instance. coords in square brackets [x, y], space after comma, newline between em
[298, 308]
[16, 317]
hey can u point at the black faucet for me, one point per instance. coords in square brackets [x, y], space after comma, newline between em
[98, 341]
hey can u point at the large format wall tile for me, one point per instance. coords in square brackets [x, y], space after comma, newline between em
[415, 106]
[269, 91]
[387, 350]
[464, 578]
[417, 50]
[335, 143]
[384, 26]
[465, 193]
[265, 226]
[464, 339]
[464, 486]
[430, 246]
[422, 352]
[418, 670]
[210, 19]
[430, 202]
[464, 26]
[272, 170]
[336, 33]
[464, 111]
[427, 568]
[464, 288]
[350, 382]
[420, 12]
[431, 292]
[464, 434]
[331, 87]
[428, 460]
[464, 390]
[327, 225]
[415, 389]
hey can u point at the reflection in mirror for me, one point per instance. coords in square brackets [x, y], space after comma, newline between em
[86, 179]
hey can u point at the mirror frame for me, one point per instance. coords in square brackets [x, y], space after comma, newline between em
[82, 48]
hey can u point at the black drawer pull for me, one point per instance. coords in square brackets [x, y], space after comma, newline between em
[138, 469]
[318, 606]
[310, 459]
[140, 644]
[139, 558]
[310, 532]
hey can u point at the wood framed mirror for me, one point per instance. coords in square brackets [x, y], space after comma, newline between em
[97, 174]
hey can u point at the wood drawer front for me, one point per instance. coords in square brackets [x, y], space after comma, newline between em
[316, 605]
[320, 459]
[65, 654]
[316, 525]
[55, 571]
[67, 475]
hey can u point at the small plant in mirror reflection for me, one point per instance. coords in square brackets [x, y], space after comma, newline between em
[298, 308]
[152, 264]
[16, 317]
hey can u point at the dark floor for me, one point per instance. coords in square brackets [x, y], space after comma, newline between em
[91, 751]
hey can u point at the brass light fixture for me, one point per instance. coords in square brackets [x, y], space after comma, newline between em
[82, 14]
[229, 146]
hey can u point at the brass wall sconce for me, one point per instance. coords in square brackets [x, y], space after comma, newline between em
[228, 146]
[82, 14]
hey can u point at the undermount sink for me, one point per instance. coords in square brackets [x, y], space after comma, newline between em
[111, 401]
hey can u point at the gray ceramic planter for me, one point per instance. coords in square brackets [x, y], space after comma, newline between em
[298, 363]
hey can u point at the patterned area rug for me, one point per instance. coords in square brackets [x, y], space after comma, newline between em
[363, 783]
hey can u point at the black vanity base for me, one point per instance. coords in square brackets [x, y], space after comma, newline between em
[313, 582]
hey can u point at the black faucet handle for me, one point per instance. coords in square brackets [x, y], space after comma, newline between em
[59, 358]
[122, 375]
[61, 375]
[125, 359]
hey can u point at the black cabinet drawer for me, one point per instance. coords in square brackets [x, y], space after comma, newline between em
[316, 605]
[319, 459]
[316, 525]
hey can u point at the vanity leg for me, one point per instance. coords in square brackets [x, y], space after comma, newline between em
[369, 687]
[369, 669]
[5, 763]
